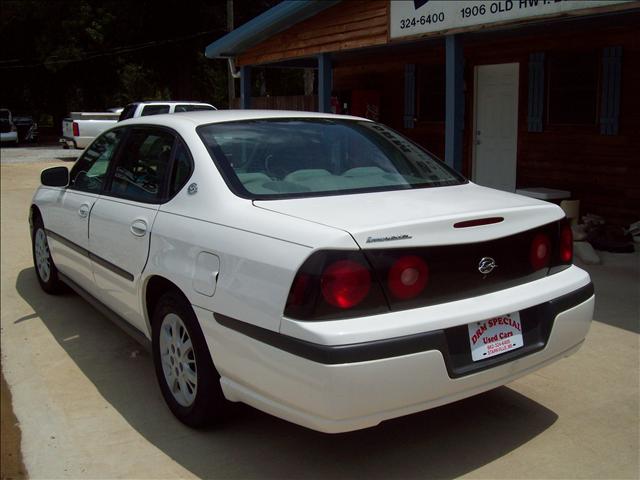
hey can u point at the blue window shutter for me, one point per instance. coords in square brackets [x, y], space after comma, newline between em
[536, 92]
[610, 95]
[409, 95]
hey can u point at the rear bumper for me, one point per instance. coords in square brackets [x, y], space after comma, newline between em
[349, 387]
[68, 142]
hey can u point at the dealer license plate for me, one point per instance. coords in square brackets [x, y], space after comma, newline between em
[495, 336]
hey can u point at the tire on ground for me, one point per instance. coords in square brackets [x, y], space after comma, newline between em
[43, 263]
[208, 406]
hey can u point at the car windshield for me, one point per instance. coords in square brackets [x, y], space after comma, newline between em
[300, 157]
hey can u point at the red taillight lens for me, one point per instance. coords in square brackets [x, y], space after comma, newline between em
[76, 129]
[345, 283]
[408, 277]
[540, 251]
[566, 243]
[297, 295]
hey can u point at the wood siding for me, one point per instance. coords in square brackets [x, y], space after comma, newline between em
[348, 25]
[304, 103]
[602, 171]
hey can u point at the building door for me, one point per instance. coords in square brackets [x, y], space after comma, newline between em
[496, 126]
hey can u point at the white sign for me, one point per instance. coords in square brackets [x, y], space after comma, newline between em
[495, 336]
[417, 17]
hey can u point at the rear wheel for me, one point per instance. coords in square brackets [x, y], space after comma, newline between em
[46, 270]
[188, 380]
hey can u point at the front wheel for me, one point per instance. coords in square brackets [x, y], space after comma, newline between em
[46, 270]
[188, 380]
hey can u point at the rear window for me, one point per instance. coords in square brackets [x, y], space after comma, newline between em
[283, 158]
[192, 108]
[154, 110]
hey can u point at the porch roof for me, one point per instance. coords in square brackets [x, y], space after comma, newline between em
[274, 20]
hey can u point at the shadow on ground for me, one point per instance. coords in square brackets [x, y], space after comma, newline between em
[616, 283]
[444, 442]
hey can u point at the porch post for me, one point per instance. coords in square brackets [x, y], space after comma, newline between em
[454, 101]
[325, 82]
[245, 87]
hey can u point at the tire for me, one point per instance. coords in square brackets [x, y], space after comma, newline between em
[188, 379]
[46, 270]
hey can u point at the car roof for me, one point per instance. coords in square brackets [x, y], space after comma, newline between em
[170, 102]
[220, 116]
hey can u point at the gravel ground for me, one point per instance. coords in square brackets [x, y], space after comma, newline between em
[37, 154]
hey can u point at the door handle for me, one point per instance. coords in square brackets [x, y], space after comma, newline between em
[139, 228]
[83, 211]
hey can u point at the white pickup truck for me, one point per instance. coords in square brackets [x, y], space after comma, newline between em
[80, 128]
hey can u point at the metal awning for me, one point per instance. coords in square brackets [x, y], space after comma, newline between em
[274, 20]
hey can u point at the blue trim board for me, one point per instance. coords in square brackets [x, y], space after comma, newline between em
[274, 20]
[454, 102]
[245, 87]
[409, 95]
[325, 82]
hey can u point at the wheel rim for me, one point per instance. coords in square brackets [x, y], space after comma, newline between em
[43, 257]
[178, 360]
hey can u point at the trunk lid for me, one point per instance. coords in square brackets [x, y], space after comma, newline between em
[67, 127]
[420, 217]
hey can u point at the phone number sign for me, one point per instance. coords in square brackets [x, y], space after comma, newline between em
[417, 17]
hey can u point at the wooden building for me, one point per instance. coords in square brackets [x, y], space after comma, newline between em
[516, 94]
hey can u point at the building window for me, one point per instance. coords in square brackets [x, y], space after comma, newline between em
[431, 93]
[573, 88]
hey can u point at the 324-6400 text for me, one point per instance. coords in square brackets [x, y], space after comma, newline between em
[422, 20]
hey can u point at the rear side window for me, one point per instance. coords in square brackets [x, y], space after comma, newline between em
[89, 172]
[192, 108]
[154, 110]
[143, 165]
[128, 111]
[181, 169]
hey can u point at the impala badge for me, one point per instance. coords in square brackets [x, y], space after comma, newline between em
[388, 239]
[486, 265]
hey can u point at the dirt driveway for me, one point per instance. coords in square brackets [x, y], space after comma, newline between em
[88, 405]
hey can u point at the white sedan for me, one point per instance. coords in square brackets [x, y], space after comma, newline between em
[320, 268]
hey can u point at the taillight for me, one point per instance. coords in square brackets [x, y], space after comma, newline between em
[335, 285]
[76, 129]
[566, 243]
[298, 289]
[540, 253]
[408, 277]
[345, 283]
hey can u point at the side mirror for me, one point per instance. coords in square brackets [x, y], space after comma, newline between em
[55, 177]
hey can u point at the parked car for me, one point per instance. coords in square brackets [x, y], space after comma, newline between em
[321, 268]
[143, 109]
[27, 128]
[8, 129]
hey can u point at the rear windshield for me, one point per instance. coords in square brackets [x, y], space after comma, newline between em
[284, 158]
